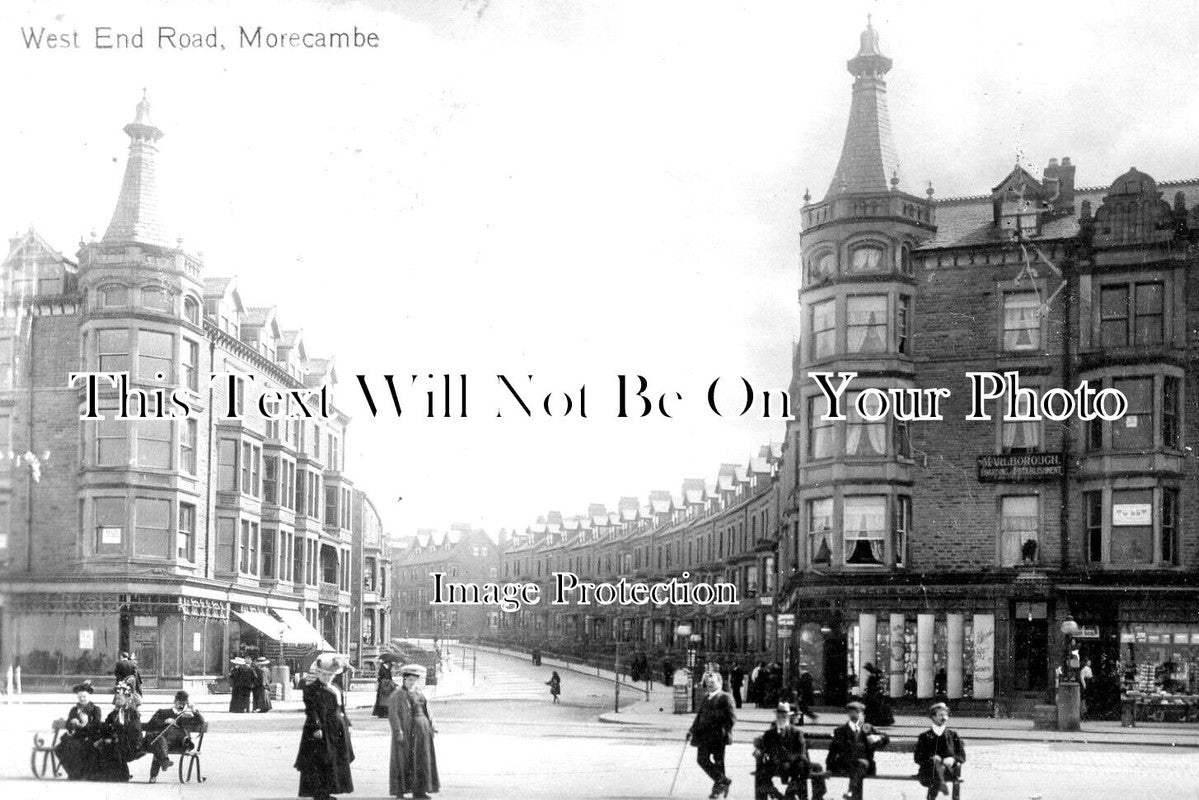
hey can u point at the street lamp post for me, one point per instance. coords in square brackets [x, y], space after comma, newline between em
[1069, 694]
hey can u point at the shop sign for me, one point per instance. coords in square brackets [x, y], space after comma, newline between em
[1087, 632]
[1024, 467]
[1127, 514]
[766, 600]
[787, 620]
[87, 639]
[145, 622]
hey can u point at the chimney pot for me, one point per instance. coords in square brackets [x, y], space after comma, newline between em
[1065, 161]
[1053, 162]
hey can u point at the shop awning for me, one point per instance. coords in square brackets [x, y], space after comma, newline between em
[265, 623]
[299, 631]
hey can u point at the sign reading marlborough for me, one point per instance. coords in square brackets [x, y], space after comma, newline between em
[1025, 467]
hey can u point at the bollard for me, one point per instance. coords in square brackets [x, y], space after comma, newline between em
[18, 672]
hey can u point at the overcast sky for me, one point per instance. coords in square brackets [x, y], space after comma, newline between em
[568, 190]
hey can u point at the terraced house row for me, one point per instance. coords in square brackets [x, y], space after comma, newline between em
[182, 540]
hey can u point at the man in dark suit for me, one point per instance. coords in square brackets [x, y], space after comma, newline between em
[939, 752]
[851, 752]
[782, 752]
[711, 732]
[166, 732]
[736, 681]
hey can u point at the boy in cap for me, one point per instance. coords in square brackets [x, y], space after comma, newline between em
[166, 732]
[782, 751]
[939, 752]
[851, 752]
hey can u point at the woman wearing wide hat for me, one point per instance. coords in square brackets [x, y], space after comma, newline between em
[325, 750]
[262, 685]
[413, 756]
[878, 709]
[384, 685]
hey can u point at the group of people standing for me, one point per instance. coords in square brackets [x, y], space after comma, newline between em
[95, 750]
[249, 682]
[782, 751]
[326, 751]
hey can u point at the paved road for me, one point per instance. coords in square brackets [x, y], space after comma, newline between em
[504, 739]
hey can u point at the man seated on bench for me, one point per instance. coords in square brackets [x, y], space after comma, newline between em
[166, 732]
[940, 753]
[851, 752]
[782, 752]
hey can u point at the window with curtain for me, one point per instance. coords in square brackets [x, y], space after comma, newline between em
[1021, 321]
[866, 324]
[1021, 437]
[863, 437]
[864, 529]
[1134, 431]
[901, 526]
[1019, 527]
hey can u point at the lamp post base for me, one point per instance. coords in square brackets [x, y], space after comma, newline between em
[1069, 706]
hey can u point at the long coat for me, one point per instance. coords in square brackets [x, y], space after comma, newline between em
[714, 720]
[383, 690]
[928, 744]
[262, 689]
[413, 754]
[74, 750]
[847, 746]
[241, 685]
[324, 763]
[120, 743]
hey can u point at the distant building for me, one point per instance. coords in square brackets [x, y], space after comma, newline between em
[370, 597]
[463, 555]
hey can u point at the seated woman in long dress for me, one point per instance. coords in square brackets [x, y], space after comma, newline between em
[82, 726]
[120, 740]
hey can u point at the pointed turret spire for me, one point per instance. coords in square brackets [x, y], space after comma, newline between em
[868, 157]
[135, 219]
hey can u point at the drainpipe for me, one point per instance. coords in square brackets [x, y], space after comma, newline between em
[29, 486]
[210, 525]
[1068, 427]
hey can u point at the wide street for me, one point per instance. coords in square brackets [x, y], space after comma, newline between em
[504, 739]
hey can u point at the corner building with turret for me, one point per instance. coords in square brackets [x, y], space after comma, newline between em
[949, 553]
[184, 541]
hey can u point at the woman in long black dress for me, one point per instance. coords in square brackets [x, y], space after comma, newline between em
[262, 685]
[82, 725]
[385, 685]
[120, 738]
[325, 750]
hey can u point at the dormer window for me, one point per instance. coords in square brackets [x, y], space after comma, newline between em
[1019, 215]
[866, 259]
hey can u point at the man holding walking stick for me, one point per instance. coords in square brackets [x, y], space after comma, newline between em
[711, 732]
[166, 732]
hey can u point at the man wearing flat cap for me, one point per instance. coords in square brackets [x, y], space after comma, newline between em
[166, 732]
[782, 752]
[851, 752]
[413, 755]
[940, 753]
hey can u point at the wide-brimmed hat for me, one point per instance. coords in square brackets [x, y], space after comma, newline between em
[261, 660]
[86, 686]
[855, 704]
[239, 661]
[413, 669]
[935, 707]
[327, 664]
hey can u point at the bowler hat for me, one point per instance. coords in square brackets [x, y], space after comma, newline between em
[181, 695]
[783, 708]
[860, 706]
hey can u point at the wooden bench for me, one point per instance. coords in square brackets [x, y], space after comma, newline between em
[192, 757]
[821, 741]
[43, 759]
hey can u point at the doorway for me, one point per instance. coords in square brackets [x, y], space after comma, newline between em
[1030, 647]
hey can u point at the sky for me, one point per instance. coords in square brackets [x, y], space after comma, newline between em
[571, 191]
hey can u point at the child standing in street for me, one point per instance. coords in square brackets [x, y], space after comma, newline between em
[555, 684]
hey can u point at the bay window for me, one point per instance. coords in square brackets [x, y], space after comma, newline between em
[864, 529]
[866, 324]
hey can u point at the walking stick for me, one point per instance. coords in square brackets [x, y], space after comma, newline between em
[150, 743]
[686, 742]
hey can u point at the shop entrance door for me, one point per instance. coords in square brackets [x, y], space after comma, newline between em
[1030, 647]
[835, 669]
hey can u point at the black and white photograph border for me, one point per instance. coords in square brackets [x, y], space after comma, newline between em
[486, 398]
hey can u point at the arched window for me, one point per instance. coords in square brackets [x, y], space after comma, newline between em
[155, 298]
[113, 296]
[905, 259]
[191, 310]
[867, 258]
[822, 266]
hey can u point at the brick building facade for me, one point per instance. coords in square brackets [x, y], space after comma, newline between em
[948, 553]
[183, 540]
[465, 555]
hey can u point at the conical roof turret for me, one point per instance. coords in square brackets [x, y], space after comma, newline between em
[135, 220]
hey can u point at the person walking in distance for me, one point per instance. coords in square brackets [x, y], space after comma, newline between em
[555, 684]
[940, 753]
[736, 681]
[712, 732]
[851, 752]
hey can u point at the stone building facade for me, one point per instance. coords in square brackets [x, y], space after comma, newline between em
[370, 598]
[183, 540]
[949, 552]
[464, 555]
